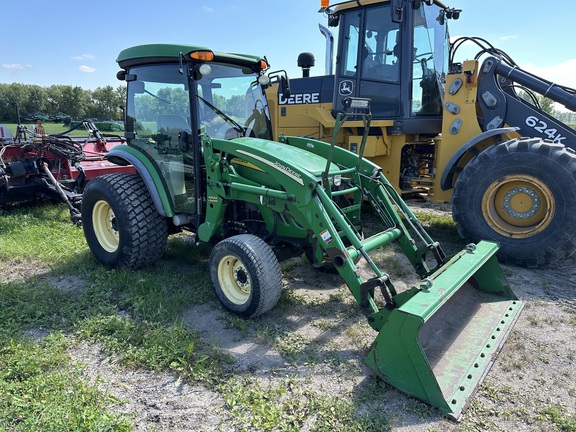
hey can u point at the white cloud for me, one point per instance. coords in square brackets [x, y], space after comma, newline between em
[507, 37]
[208, 9]
[86, 69]
[16, 66]
[560, 74]
[83, 57]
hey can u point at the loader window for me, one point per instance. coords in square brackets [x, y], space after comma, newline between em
[369, 60]
[430, 62]
[381, 48]
[351, 44]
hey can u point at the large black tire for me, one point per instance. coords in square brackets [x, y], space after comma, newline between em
[245, 275]
[121, 224]
[522, 194]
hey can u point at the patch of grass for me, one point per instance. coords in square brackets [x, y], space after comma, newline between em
[43, 233]
[239, 324]
[35, 304]
[497, 393]
[440, 227]
[152, 345]
[533, 320]
[133, 315]
[41, 390]
[285, 407]
[290, 345]
[50, 128]
[290, 265]
[557, 415]
[323, 324]
[386, 259]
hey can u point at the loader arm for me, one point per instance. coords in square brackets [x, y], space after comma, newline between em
[501, 105]
[436, 340]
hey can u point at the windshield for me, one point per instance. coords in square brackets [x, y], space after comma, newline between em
[430, 62]
[232, 104]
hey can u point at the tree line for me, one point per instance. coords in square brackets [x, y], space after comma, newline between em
[101, 103]
[107, 102]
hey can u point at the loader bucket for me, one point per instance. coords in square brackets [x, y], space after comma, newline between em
[440, 343]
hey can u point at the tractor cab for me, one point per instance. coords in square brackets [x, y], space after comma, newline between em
[397, 56]
[176, 97]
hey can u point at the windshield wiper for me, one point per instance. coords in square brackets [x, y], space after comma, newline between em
[236, 126]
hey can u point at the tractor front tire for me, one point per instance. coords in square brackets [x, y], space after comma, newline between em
[121, 224]
[522, 194]
[245, 275]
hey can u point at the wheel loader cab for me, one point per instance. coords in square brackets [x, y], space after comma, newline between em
[399, 63]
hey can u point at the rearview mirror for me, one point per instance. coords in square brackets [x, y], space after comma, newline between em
[281, 77]
[137, 87]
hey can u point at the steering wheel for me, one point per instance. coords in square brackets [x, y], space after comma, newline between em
[419, 57]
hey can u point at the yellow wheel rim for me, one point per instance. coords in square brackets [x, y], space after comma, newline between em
[234, 279]
[105, 226]
[518, 206]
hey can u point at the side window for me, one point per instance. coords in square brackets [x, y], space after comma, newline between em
[381, 46]
[158, 110]
[349, 62]
[426, 73]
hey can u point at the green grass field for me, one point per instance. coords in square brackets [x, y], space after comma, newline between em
[49, 128]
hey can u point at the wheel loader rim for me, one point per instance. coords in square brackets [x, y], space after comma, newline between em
[105, 227]
[234, 279]
[518, 206]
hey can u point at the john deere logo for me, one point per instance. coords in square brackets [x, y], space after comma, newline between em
[346, 87]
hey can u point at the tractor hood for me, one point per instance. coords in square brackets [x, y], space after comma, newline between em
[278, 159]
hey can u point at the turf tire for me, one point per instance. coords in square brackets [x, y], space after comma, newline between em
[121, 224]
[245, 275]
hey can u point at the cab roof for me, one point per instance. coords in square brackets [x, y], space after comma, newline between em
[162, 53]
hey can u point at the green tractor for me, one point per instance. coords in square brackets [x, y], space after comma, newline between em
[198, 133]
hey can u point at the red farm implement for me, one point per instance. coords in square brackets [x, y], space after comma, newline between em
[33, 164]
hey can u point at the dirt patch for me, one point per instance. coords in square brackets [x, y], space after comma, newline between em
[154, 401]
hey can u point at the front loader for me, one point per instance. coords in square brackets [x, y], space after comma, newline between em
[198, 133]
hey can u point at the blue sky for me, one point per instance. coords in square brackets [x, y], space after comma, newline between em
[76, 43]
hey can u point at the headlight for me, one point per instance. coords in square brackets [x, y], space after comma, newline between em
[337, 180]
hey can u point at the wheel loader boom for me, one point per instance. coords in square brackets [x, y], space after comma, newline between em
[199, 135]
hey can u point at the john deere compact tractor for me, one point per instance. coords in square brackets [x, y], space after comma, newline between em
[199, 136]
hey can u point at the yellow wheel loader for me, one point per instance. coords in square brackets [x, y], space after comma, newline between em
[469, 133]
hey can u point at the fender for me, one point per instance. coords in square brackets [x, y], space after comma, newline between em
[126, 155]
[448, 174]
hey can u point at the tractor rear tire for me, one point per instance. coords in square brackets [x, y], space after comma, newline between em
[121, 224]
[522, 194]
[245, 275]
